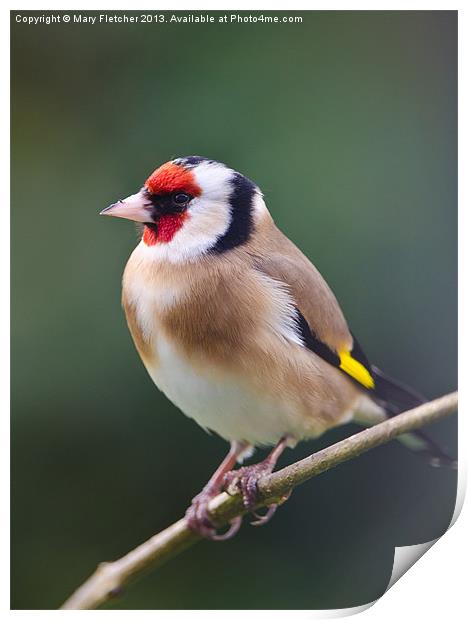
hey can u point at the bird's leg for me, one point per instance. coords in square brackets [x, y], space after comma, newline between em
[197, 516]
[246, 478]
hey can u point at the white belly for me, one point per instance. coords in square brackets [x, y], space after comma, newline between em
[221, 403]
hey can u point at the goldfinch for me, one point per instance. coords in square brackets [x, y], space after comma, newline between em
[238, 328]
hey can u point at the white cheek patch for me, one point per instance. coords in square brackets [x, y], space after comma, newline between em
[208, 220]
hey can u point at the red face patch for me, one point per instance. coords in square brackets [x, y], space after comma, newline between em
[167, 179]
[171, 178]
[165, 229]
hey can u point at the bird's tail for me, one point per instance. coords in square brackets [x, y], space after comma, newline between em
[395, 397]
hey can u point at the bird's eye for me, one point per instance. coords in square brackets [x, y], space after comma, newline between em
[181, 198]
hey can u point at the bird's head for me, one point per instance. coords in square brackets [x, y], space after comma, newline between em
[191, 206]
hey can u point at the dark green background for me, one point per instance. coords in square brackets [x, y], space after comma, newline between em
[348, 123]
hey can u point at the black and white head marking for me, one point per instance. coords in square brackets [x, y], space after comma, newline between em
[221, 218]
[241, 202]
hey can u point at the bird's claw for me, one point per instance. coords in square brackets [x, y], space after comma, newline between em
[199, 520]
[245, 480]
[262, 519]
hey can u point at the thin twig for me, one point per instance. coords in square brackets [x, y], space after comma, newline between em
[110, 577]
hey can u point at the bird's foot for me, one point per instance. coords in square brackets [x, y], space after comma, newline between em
[245, 480]
[199, 519]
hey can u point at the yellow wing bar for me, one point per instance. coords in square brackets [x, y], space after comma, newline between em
[355, 369]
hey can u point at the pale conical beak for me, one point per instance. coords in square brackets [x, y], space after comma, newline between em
[135, 207]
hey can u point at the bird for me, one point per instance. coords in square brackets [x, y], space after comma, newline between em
[238, 328]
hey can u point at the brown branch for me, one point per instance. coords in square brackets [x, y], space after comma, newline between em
[110, 577]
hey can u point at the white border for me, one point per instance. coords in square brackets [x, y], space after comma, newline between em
[436, 584]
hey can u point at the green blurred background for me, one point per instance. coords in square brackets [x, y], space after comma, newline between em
[348, 123]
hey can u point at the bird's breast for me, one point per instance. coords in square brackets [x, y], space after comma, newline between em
[189, 367]
[223, 347]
